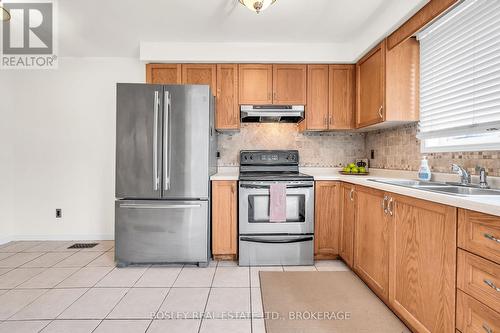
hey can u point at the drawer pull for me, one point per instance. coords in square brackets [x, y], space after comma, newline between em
[487, 329]
[492, 285]
[491, 237]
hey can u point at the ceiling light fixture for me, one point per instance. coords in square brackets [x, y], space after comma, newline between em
[4, 14]
[256, 5]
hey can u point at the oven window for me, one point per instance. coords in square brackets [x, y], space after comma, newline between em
[258, 208]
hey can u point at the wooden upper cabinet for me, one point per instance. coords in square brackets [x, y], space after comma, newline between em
[317, 98]
[370, 76]
[347, 220]
[200, 74]
[227, 111]
[371, 241]
[387, 88]
[255, 84]
[341, 96]
[423, 263]
[289, 84]
[163, 74]
[326, 219]
[224, 219]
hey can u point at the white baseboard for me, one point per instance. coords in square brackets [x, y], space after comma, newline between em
[11, 238]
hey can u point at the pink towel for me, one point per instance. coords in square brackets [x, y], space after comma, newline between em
[277, 203]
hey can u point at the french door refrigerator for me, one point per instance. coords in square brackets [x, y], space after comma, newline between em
[166, 150]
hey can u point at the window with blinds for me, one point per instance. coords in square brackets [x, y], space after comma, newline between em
[460, 79]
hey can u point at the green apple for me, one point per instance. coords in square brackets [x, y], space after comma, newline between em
[354, 170]
[346, 169]
[362, 169]
[352, 166]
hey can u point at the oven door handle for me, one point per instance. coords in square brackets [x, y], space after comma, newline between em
[267, 186]
[276, 241]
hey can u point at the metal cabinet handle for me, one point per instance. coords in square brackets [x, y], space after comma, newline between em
[384, 206]
[380, 112]
[166, 140]
[491, 237]
[390, 205]
[156, 179]
[330, 120]
[492, 285]
[351, 194]
[487, 329]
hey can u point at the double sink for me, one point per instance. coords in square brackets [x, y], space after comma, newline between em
[444, 188]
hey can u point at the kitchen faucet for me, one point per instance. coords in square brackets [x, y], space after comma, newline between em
[465, 178]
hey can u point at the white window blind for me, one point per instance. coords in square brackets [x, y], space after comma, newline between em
[460, 72]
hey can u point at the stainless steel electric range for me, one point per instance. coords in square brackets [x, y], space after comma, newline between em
[262, 242]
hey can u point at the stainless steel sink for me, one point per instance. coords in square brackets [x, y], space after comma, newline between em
[445, 188]
[462, 190]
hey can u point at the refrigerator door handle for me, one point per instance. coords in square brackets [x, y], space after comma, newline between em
[159, 206]
[166, 140]
[156, 179]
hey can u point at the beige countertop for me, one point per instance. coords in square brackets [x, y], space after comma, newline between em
[484, 204]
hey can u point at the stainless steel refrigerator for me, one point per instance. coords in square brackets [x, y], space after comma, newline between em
[166, 149]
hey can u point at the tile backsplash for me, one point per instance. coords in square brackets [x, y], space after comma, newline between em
[398, 148]
[316, 149]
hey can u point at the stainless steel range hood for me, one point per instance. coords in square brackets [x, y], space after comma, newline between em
[271, 113]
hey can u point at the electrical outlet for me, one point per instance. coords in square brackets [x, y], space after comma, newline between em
[372, 154]
[58, 213]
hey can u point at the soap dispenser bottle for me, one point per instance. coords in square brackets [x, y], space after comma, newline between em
[424, 173]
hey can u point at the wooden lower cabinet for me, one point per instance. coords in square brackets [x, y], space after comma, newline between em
[347, 220]
[422, 263]
[475, 317]
[326, 219]
[371, 240]
[224, 219]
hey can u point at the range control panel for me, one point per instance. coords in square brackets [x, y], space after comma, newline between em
[267, 157]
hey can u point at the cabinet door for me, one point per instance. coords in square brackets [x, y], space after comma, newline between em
[289, 84]
[371, 241]
[423, 263]
[342, 91]
[224, 219]
[317, 97]
[347, 223]
[256, 84]
[227, 111]
[163, 74]
[370, 78]
[200, 74]
[326, 219]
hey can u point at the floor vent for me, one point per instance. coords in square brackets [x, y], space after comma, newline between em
[82, 245]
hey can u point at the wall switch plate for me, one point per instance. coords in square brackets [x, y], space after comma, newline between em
[58, 213]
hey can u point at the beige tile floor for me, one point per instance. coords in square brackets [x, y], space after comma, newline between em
[45, 287]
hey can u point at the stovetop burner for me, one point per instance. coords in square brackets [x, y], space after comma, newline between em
[274, 176]
[271, 165]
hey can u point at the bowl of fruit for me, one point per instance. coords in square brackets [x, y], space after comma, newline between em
[355, 169]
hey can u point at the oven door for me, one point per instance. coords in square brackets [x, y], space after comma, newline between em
[254, 208]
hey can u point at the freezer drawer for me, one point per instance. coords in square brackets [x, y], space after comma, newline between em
[270, 250]
[158, 231]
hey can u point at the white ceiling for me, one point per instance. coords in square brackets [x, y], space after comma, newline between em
[97, 28]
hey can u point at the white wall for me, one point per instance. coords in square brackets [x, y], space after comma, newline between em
[57, 139]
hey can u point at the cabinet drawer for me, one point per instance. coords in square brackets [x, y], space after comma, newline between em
[479, 278]
[475, 317]
[480, 234]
